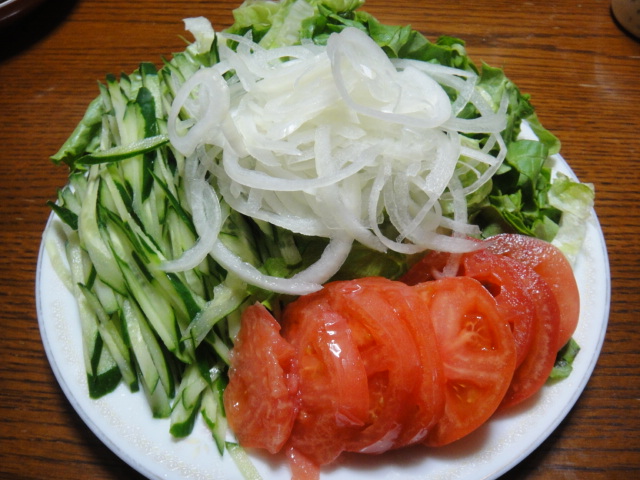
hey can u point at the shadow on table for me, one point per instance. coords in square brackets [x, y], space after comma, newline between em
[24, 30]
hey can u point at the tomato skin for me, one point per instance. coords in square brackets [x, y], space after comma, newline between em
[333, 386]
[261, 400]
[551, 264]
[477, 351]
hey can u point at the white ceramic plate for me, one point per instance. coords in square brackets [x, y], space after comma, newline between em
[124, 423]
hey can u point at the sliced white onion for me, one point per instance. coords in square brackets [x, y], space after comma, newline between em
[250, 274]
[332, 141]
[369, 83]
[207, 219]
[210, 109]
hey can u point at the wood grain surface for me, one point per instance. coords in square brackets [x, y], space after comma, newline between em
[582, 72]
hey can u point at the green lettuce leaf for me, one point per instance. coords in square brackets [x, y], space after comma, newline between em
[575, 200]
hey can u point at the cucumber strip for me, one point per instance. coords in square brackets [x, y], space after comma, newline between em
[234, 321]
[56, 250]
[221, 348]
[82, 135]
[91, 239]
[129, 84]
[187, 401]
[237, 236]
[103, 372]
[147, 118]
[192, 303]
[106, 375]
[112, 338]
[226, 299]
[107, 297]
[118, 103]
[180, 238]
[177, 206]
[157, 378]
[151, 81]
[65, 214]
[123, 152]
[71, 196]
[287, 247]
[213, 411]
[242, 461]
[121, 353]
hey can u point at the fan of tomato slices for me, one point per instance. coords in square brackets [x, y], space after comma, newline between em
[372, 364]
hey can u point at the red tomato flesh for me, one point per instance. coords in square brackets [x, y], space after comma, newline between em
[501, 276]
[428, 407]
[534, 371]
[551, 264]
[401, 359]
[477, 351]
[390, 357]
[524, 299]
[505, 280]
[334, 398]
[261, 399]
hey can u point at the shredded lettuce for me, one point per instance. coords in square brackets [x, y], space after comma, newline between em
[575, 200]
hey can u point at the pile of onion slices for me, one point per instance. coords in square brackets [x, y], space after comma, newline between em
[334, 141]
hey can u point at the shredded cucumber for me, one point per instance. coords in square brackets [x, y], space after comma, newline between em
[125, 215]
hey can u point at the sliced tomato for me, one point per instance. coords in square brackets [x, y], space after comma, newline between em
[333, 385]
[500, 275]
[406, 382]
[550, 263]
[430, 267]
[389, 353]
[477, 351]
[301, 467]
[261, 400]
[428, 407]
[534, 371]
[504, 278]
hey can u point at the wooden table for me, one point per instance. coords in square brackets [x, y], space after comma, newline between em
[583, 74]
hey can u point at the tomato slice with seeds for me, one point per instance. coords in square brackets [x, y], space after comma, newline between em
[406, 382]
[390, 355]
[428, 407]
[501, 276]
[550, 263]
[477, 351]
[505, 279]
[261, 398]
[333, 386]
